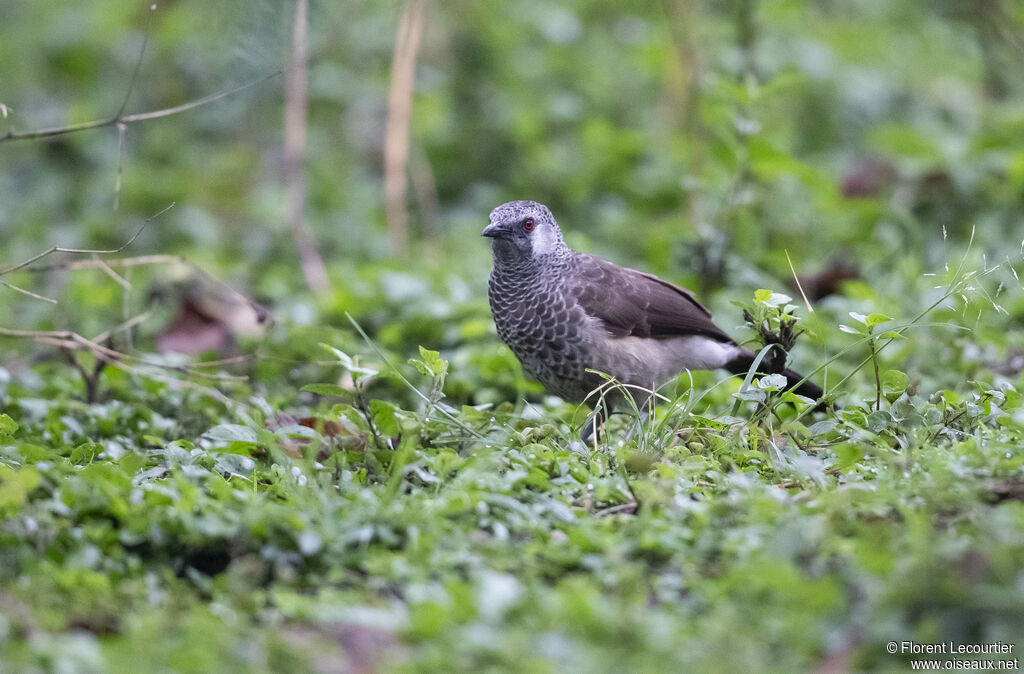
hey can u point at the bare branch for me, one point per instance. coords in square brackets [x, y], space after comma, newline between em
[127, 325]
[117, 278]
[138, 61]
[167, 112]
[67, 339]
[28, 292]
[116, 263]
[121, 129]
[138, 117]
[396, 142]
[799, 287]
[88, 251]
[91, 379]
[295, 109]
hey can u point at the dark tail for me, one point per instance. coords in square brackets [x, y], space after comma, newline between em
[741, 365]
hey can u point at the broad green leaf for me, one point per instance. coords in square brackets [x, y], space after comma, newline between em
[132, 463]
[232, 433]
[849, 455]
[894, 384]
[385, 417]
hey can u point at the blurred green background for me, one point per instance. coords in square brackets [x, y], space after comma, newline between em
[878, 146]
[699, 140]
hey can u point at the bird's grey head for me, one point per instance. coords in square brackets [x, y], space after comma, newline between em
[523, 230]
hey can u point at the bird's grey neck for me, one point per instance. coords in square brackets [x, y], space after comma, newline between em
[510, 259]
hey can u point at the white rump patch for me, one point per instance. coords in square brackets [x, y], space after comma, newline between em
[633, 356]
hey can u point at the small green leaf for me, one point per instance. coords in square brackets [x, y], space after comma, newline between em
[348, 362]
[432, 358]
[430, 363]
[343, 358]
[876, 319]
[750, 394]
[771, 298]
[771, 382]
[891, 334]
[7, 426]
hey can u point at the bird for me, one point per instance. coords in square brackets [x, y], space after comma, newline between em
[568, 316]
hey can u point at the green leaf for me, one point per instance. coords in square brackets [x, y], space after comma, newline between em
[430, 363]
[771, 382]
[894, 384]
[385, 418]
[7, 426]
[348, 362]
[876, 319]
[32, 453]
[771, 298]
[849, 455]
[343, 358]
[85, 453]
[231, 433]
[132, 463]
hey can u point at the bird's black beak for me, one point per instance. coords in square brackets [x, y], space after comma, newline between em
[496, 231]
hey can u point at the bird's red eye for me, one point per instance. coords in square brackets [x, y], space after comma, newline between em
[528, 224]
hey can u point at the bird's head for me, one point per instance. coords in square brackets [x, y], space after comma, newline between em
[523, 230]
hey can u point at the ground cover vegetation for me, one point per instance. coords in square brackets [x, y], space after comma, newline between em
[356, 475]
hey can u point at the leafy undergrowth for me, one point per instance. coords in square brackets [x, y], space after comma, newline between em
[347, 531]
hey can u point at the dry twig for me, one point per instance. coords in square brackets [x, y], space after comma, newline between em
[129, 119]
[396, 142]
[294, 150]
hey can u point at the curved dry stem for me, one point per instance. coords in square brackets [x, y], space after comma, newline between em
[137, 117]
[86, 251]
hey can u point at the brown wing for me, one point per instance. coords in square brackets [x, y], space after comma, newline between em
[632, 303]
